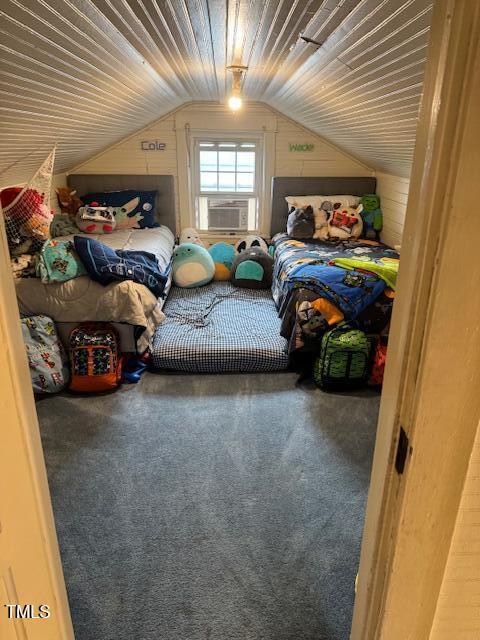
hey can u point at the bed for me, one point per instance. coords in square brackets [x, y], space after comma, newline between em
[220, 328]
[131, 307]
[312, 295]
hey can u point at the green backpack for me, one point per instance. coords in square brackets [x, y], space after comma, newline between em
[344, 358]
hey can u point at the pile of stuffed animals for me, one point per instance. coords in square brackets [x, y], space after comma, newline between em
[247, 264]
[334, 217]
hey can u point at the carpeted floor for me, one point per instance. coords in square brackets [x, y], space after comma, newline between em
[210, 507]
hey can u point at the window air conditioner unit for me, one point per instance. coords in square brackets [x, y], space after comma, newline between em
[228, 215]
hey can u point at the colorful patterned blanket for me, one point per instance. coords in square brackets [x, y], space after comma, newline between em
[302, 273]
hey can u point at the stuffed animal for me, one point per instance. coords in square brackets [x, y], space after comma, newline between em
[23, 266]
[68, 201]
[96, 219]
[123, 219]
[249, 242]
[192, 265]
[372, 216]
[301, 223]
[223, 255]
[252, 269]
[321, 215]
[345, 223]
[190, 235]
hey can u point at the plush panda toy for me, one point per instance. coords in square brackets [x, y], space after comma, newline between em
[250, 242]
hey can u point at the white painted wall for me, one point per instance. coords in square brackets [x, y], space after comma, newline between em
[458, 608]
[128, 156]
[393, 192]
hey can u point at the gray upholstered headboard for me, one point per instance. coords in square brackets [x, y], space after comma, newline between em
[164, 185]
[282, 187]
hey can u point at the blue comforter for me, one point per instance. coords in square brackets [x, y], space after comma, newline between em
[305, 265]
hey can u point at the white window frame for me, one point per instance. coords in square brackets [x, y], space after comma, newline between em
[227, 136]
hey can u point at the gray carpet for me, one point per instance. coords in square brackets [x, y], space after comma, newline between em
[210, 507]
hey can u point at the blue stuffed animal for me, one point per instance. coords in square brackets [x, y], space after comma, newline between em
[192, 266]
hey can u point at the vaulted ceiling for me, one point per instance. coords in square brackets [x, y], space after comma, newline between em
[85, 73]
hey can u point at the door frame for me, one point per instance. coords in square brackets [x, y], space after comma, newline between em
[410, 517]
[440, 170]
[38, 547]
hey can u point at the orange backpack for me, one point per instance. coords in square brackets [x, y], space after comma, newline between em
[95, 358]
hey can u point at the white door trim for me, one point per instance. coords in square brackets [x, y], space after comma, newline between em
[399, 512]
[33, 513]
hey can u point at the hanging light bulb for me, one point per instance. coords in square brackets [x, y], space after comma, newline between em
[235, 101]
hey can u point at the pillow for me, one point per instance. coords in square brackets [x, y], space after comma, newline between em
[132, 209]
[193, 266]
[252, 269]
[190, 235]
[59, 262]
[223, 255]
[105, 265]
[301, 223]
[95, 220]
[251, 241]
[344, 200]
[345, 222]
[319, 213]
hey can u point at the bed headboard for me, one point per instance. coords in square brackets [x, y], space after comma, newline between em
[92, 183]
[281, 187]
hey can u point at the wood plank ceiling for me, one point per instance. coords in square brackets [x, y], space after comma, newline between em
[85, 73]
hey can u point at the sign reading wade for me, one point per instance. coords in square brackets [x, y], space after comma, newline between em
[301, 147]
[152, 145]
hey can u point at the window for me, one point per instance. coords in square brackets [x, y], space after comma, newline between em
[227, 179]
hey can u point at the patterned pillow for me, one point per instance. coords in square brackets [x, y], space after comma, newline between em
[132, 209]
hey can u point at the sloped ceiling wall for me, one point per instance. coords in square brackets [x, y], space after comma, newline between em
[86, 73]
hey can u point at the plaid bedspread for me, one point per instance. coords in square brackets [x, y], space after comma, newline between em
[219, 328]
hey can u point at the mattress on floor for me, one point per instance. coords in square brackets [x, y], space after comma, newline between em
[219, 328]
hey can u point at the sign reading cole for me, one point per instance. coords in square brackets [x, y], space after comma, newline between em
[301, 147]
[152, 145]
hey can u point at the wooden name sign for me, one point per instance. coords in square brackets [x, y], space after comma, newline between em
[152, 145]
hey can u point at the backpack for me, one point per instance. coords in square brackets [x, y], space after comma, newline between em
[95, 358]
[344, 358]
[378, 364]
[47, 359]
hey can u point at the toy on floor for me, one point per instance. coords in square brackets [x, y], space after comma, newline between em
[193, 266]
[96, 219]
[223, 255]
[68, 201]
[301, 223]
[251, 241]
[190, 235]
[134, 367]
[372, 216]
[346, 223]
[252, 269]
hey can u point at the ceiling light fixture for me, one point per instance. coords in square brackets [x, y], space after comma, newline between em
[235, 101]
